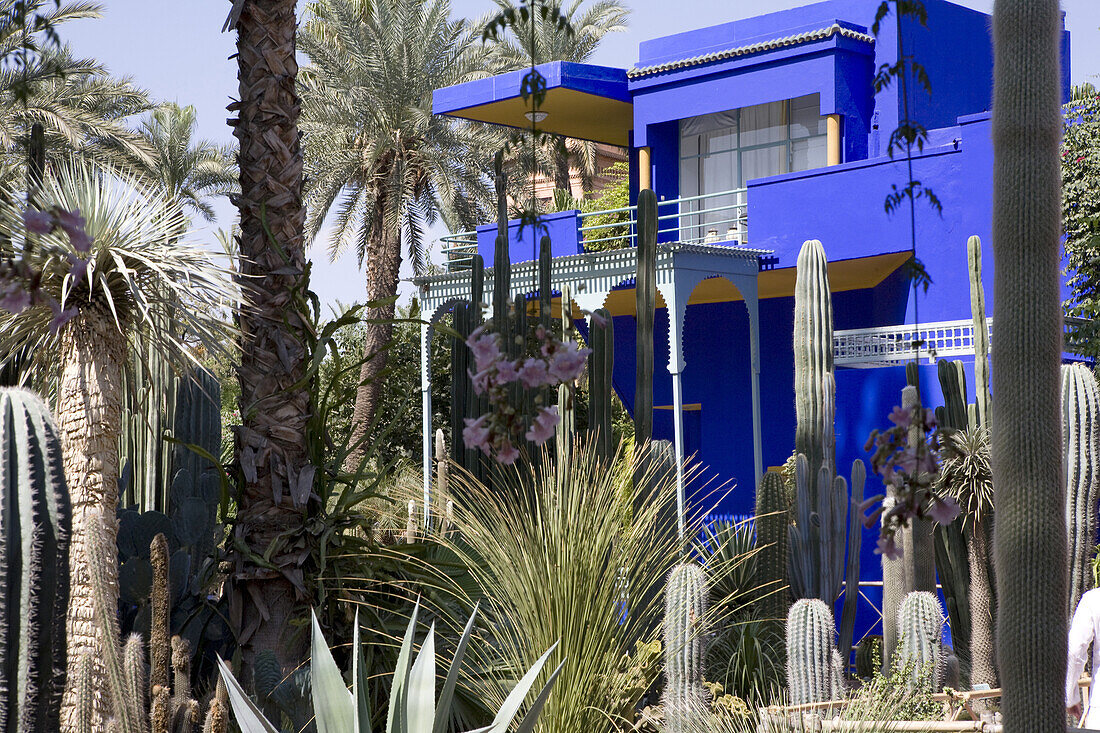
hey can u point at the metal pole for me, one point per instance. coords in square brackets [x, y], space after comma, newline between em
[426, 402]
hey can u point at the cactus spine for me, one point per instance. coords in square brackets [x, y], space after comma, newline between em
[35, 526]
[1030, 537]
[920, 650]
[645, 304]
[817, 537]
[812, 670]
[1081, 447]
[601, 363]
[686, 700]
[771, 541]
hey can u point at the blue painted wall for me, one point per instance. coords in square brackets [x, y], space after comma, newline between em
[562, 228]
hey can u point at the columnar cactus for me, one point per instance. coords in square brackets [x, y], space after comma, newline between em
[645, 304]
[567, 412]
[1030, 537]
[35, 526]
[868, 656]
[817, 537]
[813, 361]
[1081, 448]
[920, 648]
[601, 364]
[812, 670]
[918, 548]
[466, 317]
[686, 701]
[894, 590]
[851, 573]
[196, 483]
[984, 405]
[771, 542]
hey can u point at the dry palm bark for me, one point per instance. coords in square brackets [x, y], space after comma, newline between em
[89, 419]
[270, 449]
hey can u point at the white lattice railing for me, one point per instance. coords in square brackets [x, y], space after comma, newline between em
[887, 345]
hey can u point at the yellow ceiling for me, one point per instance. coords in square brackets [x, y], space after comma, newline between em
[856, 274]
[569, 112]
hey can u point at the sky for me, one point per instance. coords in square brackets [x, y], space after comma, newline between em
[177, 52]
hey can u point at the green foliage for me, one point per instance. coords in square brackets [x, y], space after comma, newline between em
[891, 697]
[413, 706]
[1081, 219]
[35, 527]
[565, 554]
[396, 432]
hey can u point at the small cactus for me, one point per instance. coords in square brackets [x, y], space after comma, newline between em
[814, 672]
[868, 656]
[920, 649]
[686, 700]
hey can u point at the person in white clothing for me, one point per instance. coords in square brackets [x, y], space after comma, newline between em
[1084, 629]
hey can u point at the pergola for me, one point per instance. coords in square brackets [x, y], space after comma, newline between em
[590, 278]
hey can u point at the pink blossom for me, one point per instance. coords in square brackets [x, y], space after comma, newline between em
[80, 240]
[887, 548]
[872, 519]
[79, 268]
[542, 429]
[14, 298]
[38, 222]
[507, 453]
[506, 372]
[484, 347]
[476, 433]
[533, 373]
[60, 317]
[944, 510]
[597, 319]
[900, 416]
[567, 363]
[481, 379]
[70, 221]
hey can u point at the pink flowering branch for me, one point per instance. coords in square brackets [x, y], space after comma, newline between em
[909, 467]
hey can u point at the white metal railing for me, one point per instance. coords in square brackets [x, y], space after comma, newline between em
[720, 217]
[710, 217]
[898, 344]
[891, 345]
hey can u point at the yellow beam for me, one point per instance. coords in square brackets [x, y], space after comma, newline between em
[832, 139]
[645, 169]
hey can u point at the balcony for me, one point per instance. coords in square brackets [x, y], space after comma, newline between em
[717, 218]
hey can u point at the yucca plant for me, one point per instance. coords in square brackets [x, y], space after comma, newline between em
[135, 273]
[413, 706]
[557, 550]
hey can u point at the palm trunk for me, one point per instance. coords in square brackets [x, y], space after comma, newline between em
[270, 450]
[383, 271]
[89, 419]
[983, 654]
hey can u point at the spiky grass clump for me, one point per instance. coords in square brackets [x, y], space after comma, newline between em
[559, 551]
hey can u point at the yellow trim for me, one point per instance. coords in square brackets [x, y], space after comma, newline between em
[832, 140]
[568, 112]
[645, 170]
[690, 407]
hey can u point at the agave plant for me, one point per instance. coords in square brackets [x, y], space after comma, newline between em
[137, 271]
[413, 706]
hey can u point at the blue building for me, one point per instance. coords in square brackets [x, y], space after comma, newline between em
[757, 135]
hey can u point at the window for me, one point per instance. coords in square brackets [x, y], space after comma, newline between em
[719, 152]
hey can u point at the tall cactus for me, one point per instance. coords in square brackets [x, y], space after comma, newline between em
[813, 360]
[1081, 448]
[918, 547]
[645, 304]
[686, 700]
[1030, 537]
[35, 526]
[566, 410]
[817, 537]
[981, 333]
[601, 363]
[851, 572]
[920, 648]
[771, 542]
[812, 670]
[196, 483]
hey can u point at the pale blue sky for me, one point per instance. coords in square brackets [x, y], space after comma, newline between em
[176, 50]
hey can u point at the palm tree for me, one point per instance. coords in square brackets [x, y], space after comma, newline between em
[190, 172]
[81, 107]
[135, 272]
[378, 159]
[270, 450]
[549, 41]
